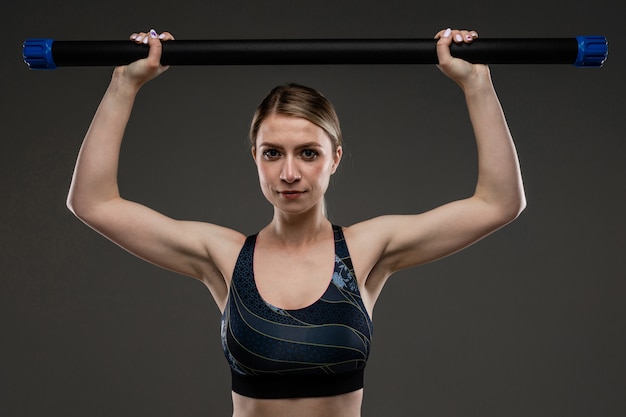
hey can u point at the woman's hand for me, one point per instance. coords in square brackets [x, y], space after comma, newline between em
[144, 70]
[459, 70]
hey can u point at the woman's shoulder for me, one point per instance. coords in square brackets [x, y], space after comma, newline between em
[371, 230]
[220, 245]
[367, 239]
[221, 239]
[378, 238]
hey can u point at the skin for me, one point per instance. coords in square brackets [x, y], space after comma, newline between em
[295, 160]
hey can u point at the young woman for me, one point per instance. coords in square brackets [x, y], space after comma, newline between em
[297, 298]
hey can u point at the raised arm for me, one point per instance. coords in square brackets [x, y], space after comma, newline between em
[405, 241]
[184, 247]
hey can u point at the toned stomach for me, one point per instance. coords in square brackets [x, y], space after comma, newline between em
[344, 405]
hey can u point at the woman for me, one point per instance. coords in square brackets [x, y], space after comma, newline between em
[296, 344]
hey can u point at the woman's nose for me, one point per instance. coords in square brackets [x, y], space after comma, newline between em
[290, 172]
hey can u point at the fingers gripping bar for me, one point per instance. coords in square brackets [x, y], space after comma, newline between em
[581, 51]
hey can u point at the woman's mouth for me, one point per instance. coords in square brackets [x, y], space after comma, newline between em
[291, 194]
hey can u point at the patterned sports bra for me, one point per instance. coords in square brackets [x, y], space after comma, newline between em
[316, 351]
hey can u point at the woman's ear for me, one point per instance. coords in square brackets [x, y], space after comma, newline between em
[337, 158]
[253, 150]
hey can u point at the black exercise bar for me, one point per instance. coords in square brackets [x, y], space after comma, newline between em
[580, 51]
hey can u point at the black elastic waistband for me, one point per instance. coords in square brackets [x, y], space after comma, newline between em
[296, 386]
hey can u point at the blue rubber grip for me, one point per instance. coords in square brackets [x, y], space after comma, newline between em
[37, 53]
[592, 51]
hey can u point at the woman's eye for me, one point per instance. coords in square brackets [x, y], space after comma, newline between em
[309, 154]
[271, 153]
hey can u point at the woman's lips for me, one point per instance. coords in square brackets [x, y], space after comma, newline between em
[291, 194]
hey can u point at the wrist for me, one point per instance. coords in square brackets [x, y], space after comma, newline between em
[121, 83]
[479, 82]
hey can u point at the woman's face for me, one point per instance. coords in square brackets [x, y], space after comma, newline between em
[295, 159]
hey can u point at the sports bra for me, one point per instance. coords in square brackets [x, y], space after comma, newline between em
[316, 351]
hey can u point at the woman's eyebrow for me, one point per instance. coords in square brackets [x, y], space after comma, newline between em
[301, 146]
[269, 145]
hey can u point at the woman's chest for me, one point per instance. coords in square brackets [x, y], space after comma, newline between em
[293, 280]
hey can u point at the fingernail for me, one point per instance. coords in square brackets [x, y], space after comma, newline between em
[447, 33]
[469, 37]
[458, 38]
[133, 37]
[145, 40]
[139, 38]
[162, 36]
[153, 33]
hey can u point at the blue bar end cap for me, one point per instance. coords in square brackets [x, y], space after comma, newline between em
[37, 53]
[592, 51]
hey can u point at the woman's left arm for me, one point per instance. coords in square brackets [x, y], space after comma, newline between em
[499, 184]
[406, 241]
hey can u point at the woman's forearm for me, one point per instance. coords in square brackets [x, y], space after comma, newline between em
[95, 174]
[499, 178]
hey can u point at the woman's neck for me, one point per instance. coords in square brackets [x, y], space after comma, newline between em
[296, 230]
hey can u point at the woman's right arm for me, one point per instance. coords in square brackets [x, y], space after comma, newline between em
[184, 247]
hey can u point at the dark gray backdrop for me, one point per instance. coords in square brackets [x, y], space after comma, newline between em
[529, 322]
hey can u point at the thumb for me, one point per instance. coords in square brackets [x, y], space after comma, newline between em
[443, 46]
[156, 49]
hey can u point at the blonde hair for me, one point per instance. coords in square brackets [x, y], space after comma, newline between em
[298, 101]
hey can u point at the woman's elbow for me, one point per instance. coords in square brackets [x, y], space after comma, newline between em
[513, 209]
[75, 207]
[79, 206]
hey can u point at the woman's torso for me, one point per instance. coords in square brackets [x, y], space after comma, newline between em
[341, 294]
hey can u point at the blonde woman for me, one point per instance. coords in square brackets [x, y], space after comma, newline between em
[297, 297]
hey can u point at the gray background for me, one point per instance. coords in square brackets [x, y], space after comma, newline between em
[529, 322]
